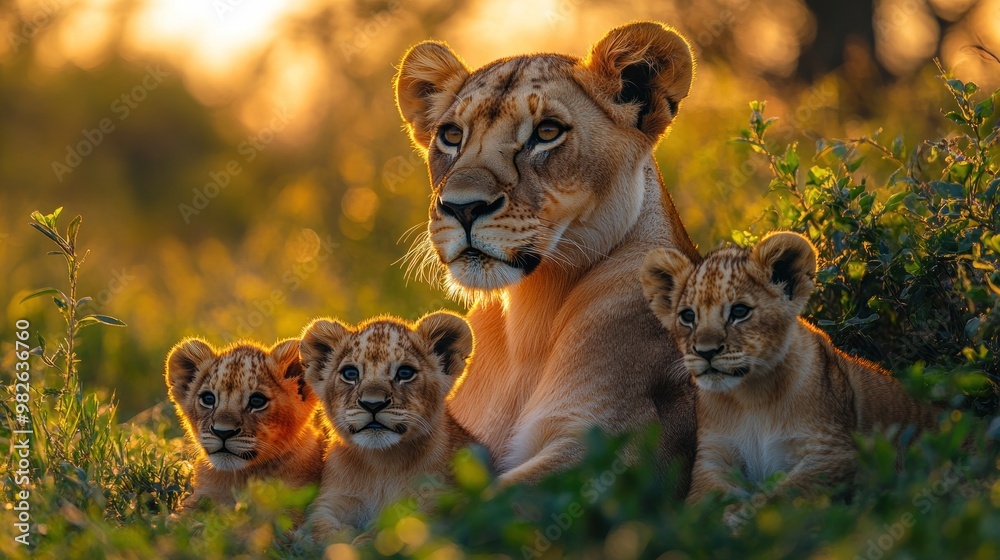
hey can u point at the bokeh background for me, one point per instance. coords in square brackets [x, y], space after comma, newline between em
[241, 167]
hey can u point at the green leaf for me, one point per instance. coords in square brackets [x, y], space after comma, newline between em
[42, 292]
[854, 321]
[991, 191]
[956, 85]
[984, 109]
[951, 191]
[100, 319]
[59, 303]
[959, 172]
[898, 148]
[817, 175]
[853, 166]
[73, 230]
[971, 88]
[956, 117]
[894, 201]
[791, 160]
[865, 203]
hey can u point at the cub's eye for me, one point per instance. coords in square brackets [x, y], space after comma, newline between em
[257, 401]
[207, 399]
[405, 373]
[350, 374]
[549, 130]
[451, 135]
[687, 317]
[739, 311]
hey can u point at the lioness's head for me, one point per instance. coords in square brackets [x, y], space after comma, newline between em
[242, 404]
[385, 381]
[539, 158]
[732, 313]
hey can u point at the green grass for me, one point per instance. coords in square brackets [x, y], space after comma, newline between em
[910, 246]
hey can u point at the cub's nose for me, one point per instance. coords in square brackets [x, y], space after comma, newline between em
[374, 407]
[225, 434]
[468, 212]
[709, 353]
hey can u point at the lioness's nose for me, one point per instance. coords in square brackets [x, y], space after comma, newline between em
[225, 434]
[468, 212]
[374, 407]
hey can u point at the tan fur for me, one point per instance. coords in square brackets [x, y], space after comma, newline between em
[565, 341]
[777, 396]
[369, 469]
[280, 440]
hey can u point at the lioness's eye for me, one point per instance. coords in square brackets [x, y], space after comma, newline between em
[350, 374]
[207, 399]
[548, 130]
[451, 135]
[405, 373]
[687, 317]
[739, 311]
[257, 401]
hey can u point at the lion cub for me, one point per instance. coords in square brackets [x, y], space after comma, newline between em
[774, 394]
[383, 385]
[250, 411]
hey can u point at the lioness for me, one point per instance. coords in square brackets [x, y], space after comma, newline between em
[251, 413]
[775, 395]
[545, 200]
[383, 386]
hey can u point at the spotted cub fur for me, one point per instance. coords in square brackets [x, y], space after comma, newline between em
[383, 386]
[774, 395]
[251, 413]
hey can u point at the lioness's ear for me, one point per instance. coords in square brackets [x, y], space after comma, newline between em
[184, 362]
[642, 70]
[428, 80]
[286, 355]
[450, 338]
[663, 272]
[790, 259]
[319, 339]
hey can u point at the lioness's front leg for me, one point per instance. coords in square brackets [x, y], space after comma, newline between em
[551, 443]
[610, 375]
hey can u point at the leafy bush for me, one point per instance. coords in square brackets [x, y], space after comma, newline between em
[909, 271]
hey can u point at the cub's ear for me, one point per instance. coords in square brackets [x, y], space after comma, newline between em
[641, 71]
[428, 80]
[184, 362]
[450, 337]
[290, 370]
[790, 259]
[663, 273]
[319, 340]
